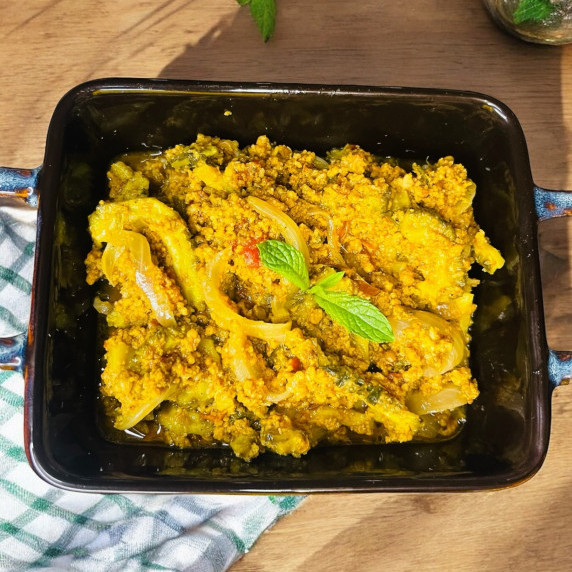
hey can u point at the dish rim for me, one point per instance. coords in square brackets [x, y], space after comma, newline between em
[42, 273]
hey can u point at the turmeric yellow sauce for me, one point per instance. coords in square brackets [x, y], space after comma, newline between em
[206, 345]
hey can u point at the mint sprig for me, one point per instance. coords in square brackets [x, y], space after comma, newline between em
[532, 11]
[264, 14]
[286, 260]
[327, 282]
[356, 314]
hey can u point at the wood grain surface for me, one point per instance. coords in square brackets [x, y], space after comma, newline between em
[49, 46]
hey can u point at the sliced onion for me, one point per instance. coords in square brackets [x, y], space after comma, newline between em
[109, 260]
[278, 397]
[157, 299]
[236, 349]
[459, 348]
[138, 247]
[241, 369]
[288, 227]
[316, 211]
[101, 306]
[448, 398]
[332, 239]
[131, 412]
[142, 411]
[428, 320]
[225, 316]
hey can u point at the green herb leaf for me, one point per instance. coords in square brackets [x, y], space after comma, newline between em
[356, 314]
[243, 2]
[264, 14]
[327, 282]
[373, 396]
[532, 11]
[286, 260]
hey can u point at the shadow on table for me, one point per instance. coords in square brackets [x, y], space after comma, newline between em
[400, 44]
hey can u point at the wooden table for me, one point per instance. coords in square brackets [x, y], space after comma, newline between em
[48, 46]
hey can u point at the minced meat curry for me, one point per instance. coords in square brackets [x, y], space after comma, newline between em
[273, 300]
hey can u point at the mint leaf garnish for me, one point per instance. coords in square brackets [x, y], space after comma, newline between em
[532, 11]
[327, 282]
[286, 260]
[264, 14]
[356, 314]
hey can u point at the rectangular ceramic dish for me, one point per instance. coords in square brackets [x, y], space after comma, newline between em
[506, 435]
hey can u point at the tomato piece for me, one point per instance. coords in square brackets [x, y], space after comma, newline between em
[251, 254]
[367, 288]
[295, 364]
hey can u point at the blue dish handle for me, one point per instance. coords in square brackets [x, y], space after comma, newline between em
[12, 352]
[553, 204]
[17, 184]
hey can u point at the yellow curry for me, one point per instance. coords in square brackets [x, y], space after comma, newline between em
[207, 343]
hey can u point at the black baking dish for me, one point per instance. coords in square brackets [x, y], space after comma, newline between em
[506, 435]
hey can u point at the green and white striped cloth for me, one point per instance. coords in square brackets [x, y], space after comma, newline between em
[44, 528]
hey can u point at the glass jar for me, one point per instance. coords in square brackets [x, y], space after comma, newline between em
[539, 21]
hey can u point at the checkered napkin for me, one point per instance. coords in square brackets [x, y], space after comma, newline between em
[45, 528]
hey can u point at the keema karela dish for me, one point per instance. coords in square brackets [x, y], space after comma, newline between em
[273, 300]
